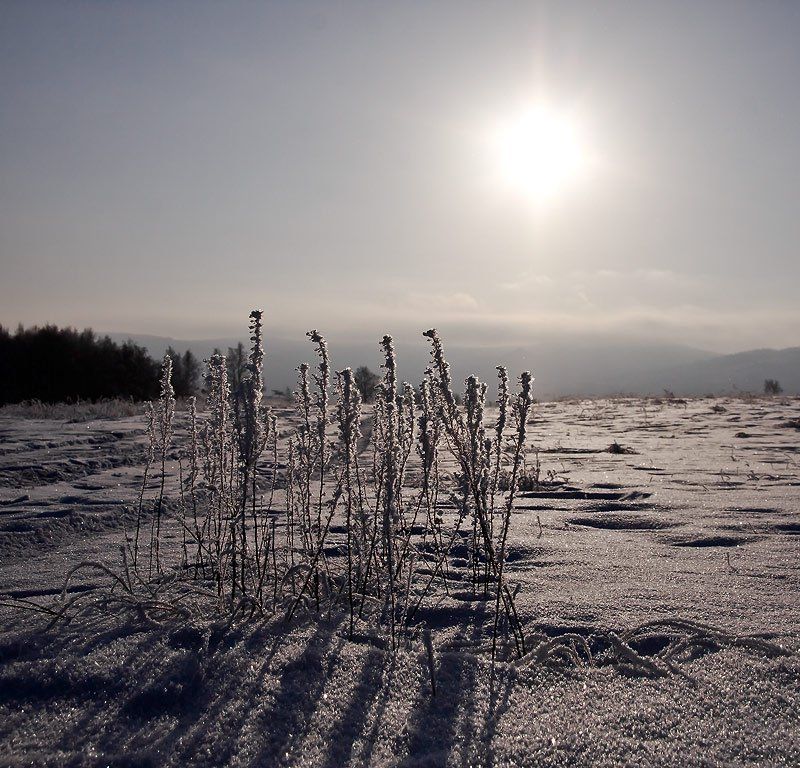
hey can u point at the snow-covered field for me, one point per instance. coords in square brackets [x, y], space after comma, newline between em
[694, 517]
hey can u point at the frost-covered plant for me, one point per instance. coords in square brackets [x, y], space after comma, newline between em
[217, 468]
[249, 426]
[349, 417]
[322, 381]
[406, 410]
[250, 431]
[191, 480]
[312, 504]
[467, 439]
[500, 425]
[236, 541]
[390, 470]
[150, 457]
[162, 438]
[395, 544]
[160, 419]
[520, 410]
[306, 458]
[476, 468]
[428, 435]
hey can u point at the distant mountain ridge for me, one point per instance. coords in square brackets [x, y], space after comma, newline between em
[560, 367]
[739, 372]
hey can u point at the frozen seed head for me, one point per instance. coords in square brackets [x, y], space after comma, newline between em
[323, 379]
[257, 346]
[526, 384]
[502, 400]
[390, 365]
[349, 410]
[301, 395]
[474, 401]
[523, 403]
[502, 378]
[217, 397]
[425, 395]
[254, 389]
[426, 445]
[407, 403]
[322, 348]
[472, 386]
[167, 392]
[441, 367]
[166, 401]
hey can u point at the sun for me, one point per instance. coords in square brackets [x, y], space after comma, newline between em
[539, 152]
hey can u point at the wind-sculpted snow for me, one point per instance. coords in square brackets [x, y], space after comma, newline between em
[658, 588]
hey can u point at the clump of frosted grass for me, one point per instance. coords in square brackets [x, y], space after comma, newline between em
[392, 551]
[160, 417]
[479, 459]
[72, 412]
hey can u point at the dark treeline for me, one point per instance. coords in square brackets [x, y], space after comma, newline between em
[185, 372]
[64, 365]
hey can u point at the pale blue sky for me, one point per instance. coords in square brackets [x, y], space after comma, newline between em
[166, 166]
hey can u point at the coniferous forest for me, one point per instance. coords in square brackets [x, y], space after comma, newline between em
[52, 364]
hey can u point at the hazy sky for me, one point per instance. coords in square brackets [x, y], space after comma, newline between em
[166, 166]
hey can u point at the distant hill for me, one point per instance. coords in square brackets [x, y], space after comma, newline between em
[740, 372]
[561, 367]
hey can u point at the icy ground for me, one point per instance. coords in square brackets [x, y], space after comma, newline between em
[699, 521]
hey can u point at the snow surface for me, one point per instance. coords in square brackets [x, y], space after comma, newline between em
[699, 521]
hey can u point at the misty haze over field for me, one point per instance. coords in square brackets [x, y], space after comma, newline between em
[613, 176]
[567, 367]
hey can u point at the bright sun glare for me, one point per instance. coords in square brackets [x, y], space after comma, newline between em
[539, 152]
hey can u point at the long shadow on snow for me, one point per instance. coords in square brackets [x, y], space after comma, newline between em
[370, 693]
[232, 704]
[452, 719]
[299, 691]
